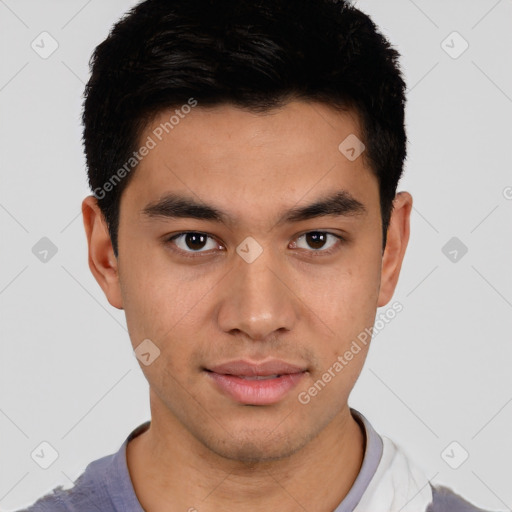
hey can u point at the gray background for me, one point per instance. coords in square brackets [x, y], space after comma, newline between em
[438, 373]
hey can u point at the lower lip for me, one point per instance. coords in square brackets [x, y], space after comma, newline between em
[256, 392]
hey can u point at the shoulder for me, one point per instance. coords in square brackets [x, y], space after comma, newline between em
[445, 500]
[104, 481]
[88, 492]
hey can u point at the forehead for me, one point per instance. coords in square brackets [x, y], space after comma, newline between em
[242, 158]
[297, 129]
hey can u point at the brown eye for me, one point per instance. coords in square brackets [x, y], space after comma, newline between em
[192, 241]
[195, 241]
[318, 241]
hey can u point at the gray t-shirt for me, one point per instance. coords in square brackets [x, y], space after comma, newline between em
[387, 477]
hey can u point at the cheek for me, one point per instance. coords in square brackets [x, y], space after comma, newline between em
[348, 298]
[150, 298]
[347, 307]
[162, 303]
[156, 309]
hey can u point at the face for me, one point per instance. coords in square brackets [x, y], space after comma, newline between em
[252, 272]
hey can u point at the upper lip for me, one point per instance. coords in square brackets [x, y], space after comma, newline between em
[244, 368]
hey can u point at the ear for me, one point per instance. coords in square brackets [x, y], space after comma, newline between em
[102, 261]
[397, 239]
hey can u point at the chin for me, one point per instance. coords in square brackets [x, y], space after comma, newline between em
[256, 446]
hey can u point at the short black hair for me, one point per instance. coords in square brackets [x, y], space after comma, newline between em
[254, 54]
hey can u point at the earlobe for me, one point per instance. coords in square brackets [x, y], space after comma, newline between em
[102, 260]
[397, 240]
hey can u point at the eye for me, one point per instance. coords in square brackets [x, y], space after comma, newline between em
[189, 243]
[193, 242]
[318, 241]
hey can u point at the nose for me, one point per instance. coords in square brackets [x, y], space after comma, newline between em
[258, 300]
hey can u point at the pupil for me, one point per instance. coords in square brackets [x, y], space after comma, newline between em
[315, 239]
[195, 238]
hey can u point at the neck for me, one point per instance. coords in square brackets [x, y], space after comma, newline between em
[168, 465]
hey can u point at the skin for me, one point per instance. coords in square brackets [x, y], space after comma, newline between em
[203, 449]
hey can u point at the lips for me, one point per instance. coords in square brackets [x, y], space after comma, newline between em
[243, 368]
[256, 383]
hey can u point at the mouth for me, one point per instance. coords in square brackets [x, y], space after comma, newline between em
[258, 377]
[256, 383]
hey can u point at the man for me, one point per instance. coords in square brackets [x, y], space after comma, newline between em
[244, 158]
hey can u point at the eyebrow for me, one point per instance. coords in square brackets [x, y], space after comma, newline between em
[339, 204]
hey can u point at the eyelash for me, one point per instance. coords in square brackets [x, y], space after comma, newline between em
[197, 254]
